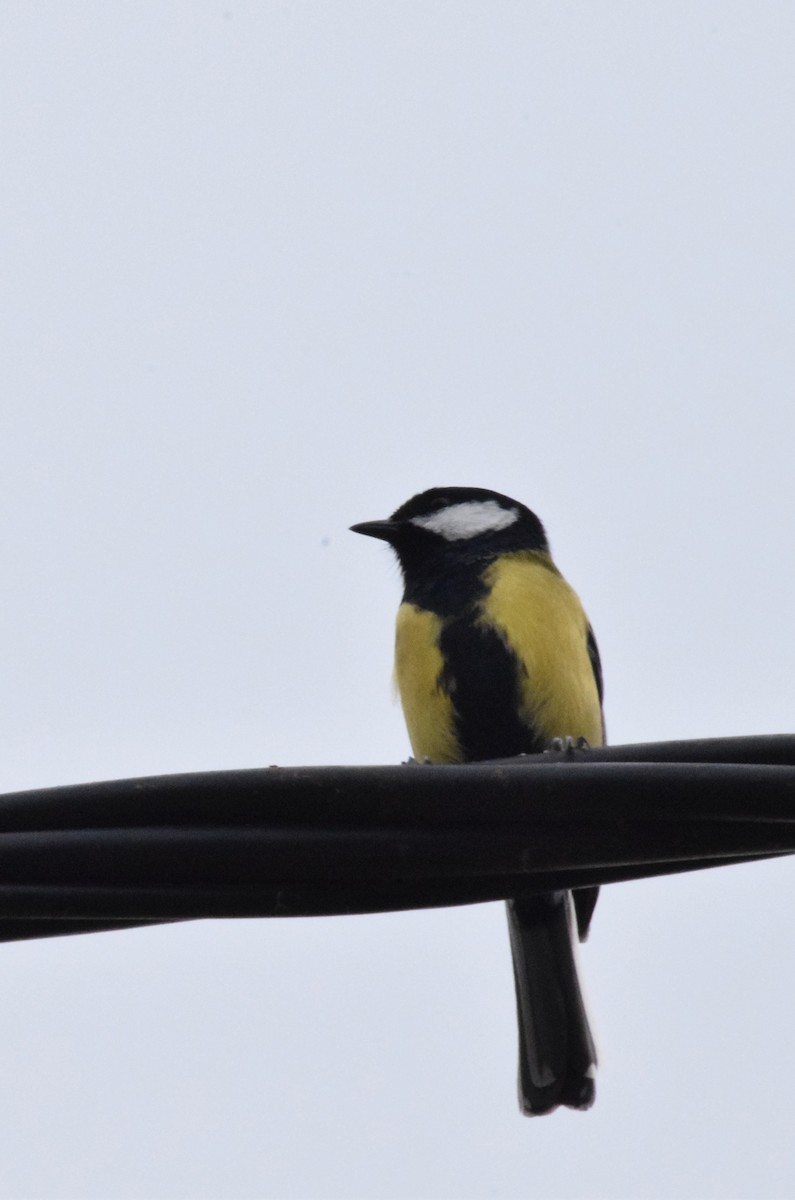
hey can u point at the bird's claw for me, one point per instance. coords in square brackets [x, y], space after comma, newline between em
[567, 745]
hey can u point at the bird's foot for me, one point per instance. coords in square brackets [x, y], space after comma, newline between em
[567, 745]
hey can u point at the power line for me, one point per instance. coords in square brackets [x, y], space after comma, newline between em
[299, 841]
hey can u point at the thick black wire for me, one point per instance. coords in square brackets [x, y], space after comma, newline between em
[330, 840]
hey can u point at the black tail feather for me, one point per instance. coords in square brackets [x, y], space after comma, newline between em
[557, 1056]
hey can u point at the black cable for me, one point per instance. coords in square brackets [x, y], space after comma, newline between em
[330, 840]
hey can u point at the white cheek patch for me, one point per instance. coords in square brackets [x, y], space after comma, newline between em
[468, 519]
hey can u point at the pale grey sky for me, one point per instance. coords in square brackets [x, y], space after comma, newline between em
[268, 269]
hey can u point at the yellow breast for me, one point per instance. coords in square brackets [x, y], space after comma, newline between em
[542, 621]
[539, 617]
[418, 666]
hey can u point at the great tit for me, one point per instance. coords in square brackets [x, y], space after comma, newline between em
[495, 657]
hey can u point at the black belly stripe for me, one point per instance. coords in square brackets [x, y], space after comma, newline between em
[481, 677]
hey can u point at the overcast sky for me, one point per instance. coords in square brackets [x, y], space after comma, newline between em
[268, 268]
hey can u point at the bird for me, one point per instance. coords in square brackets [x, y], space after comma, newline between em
[495, 657]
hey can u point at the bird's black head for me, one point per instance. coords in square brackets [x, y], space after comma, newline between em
[454, 526]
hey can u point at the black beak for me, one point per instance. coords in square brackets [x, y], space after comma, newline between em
[385, 530]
